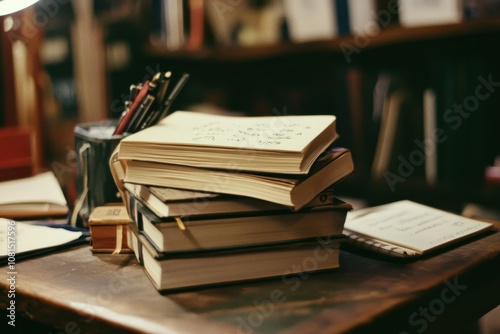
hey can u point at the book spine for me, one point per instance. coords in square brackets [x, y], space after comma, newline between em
[342, 13]
[362, 17]
[196, 23]
[311, 20]
[430, 120]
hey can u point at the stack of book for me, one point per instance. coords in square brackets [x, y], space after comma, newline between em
[218, 199]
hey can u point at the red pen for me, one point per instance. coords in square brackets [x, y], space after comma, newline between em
[122, 125]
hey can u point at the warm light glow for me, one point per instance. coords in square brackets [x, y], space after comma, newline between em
[11, 6]
[8, 24]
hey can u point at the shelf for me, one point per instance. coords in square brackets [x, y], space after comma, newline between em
[389, 36]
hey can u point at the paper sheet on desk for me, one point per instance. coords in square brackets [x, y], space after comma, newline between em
[412, 225]
[18, 238]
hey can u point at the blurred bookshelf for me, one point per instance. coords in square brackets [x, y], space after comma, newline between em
[238, 65]
[390, 36]
[340, 74]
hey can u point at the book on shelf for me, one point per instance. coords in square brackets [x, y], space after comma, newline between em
[36, 196]
[269, 144]
[108, 229]
[422, 12]
[408, 229]
[342, 17]
[174, 271]
[400, 150]
[169, 202]
[430, 128]
[196, 24]
[223, 19]
[174, 20]
[226, 231]
[477, 9]
[167, 23]
[15, 150]
[363, 17]
[389, 127]
[311, 20]
[294, 191]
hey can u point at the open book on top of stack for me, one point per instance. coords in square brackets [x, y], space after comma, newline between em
[281, 159]
[204, 184]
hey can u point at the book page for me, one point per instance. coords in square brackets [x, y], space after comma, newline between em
[412, 225]
[283, 133]
[27, 237]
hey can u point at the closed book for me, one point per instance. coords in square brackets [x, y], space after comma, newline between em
[169, 272]
[293, 191]
[423, 13]
[196, 24]
[223, 20]
[215, 232]
[174, 23]
[171, 203]
[268, 144]
[342, 13]
[108, 229]
[363, 17]
[311, 20]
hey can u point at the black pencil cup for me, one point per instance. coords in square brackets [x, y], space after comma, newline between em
[94, 144]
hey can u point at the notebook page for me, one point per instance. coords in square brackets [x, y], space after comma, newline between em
[412, 225]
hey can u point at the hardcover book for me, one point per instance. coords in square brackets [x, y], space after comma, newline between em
[108, 229]
[169, 272]
[258, 228]
[170, 203]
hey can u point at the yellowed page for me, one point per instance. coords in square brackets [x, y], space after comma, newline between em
[412, 225]
[280, 133]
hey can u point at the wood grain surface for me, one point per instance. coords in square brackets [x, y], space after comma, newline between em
[80, 292]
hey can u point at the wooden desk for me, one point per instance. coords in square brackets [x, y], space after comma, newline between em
[78, 292]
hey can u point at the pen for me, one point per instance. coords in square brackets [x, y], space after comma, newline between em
[139, 115]
[156, 113]
[162, 89]
[157, 89]
[178, 87]
[134, 89]
[124, 122]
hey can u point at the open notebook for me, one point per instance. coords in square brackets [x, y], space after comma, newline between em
[406, 228]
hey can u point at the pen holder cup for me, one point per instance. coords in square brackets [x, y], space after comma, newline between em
[94, 144]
